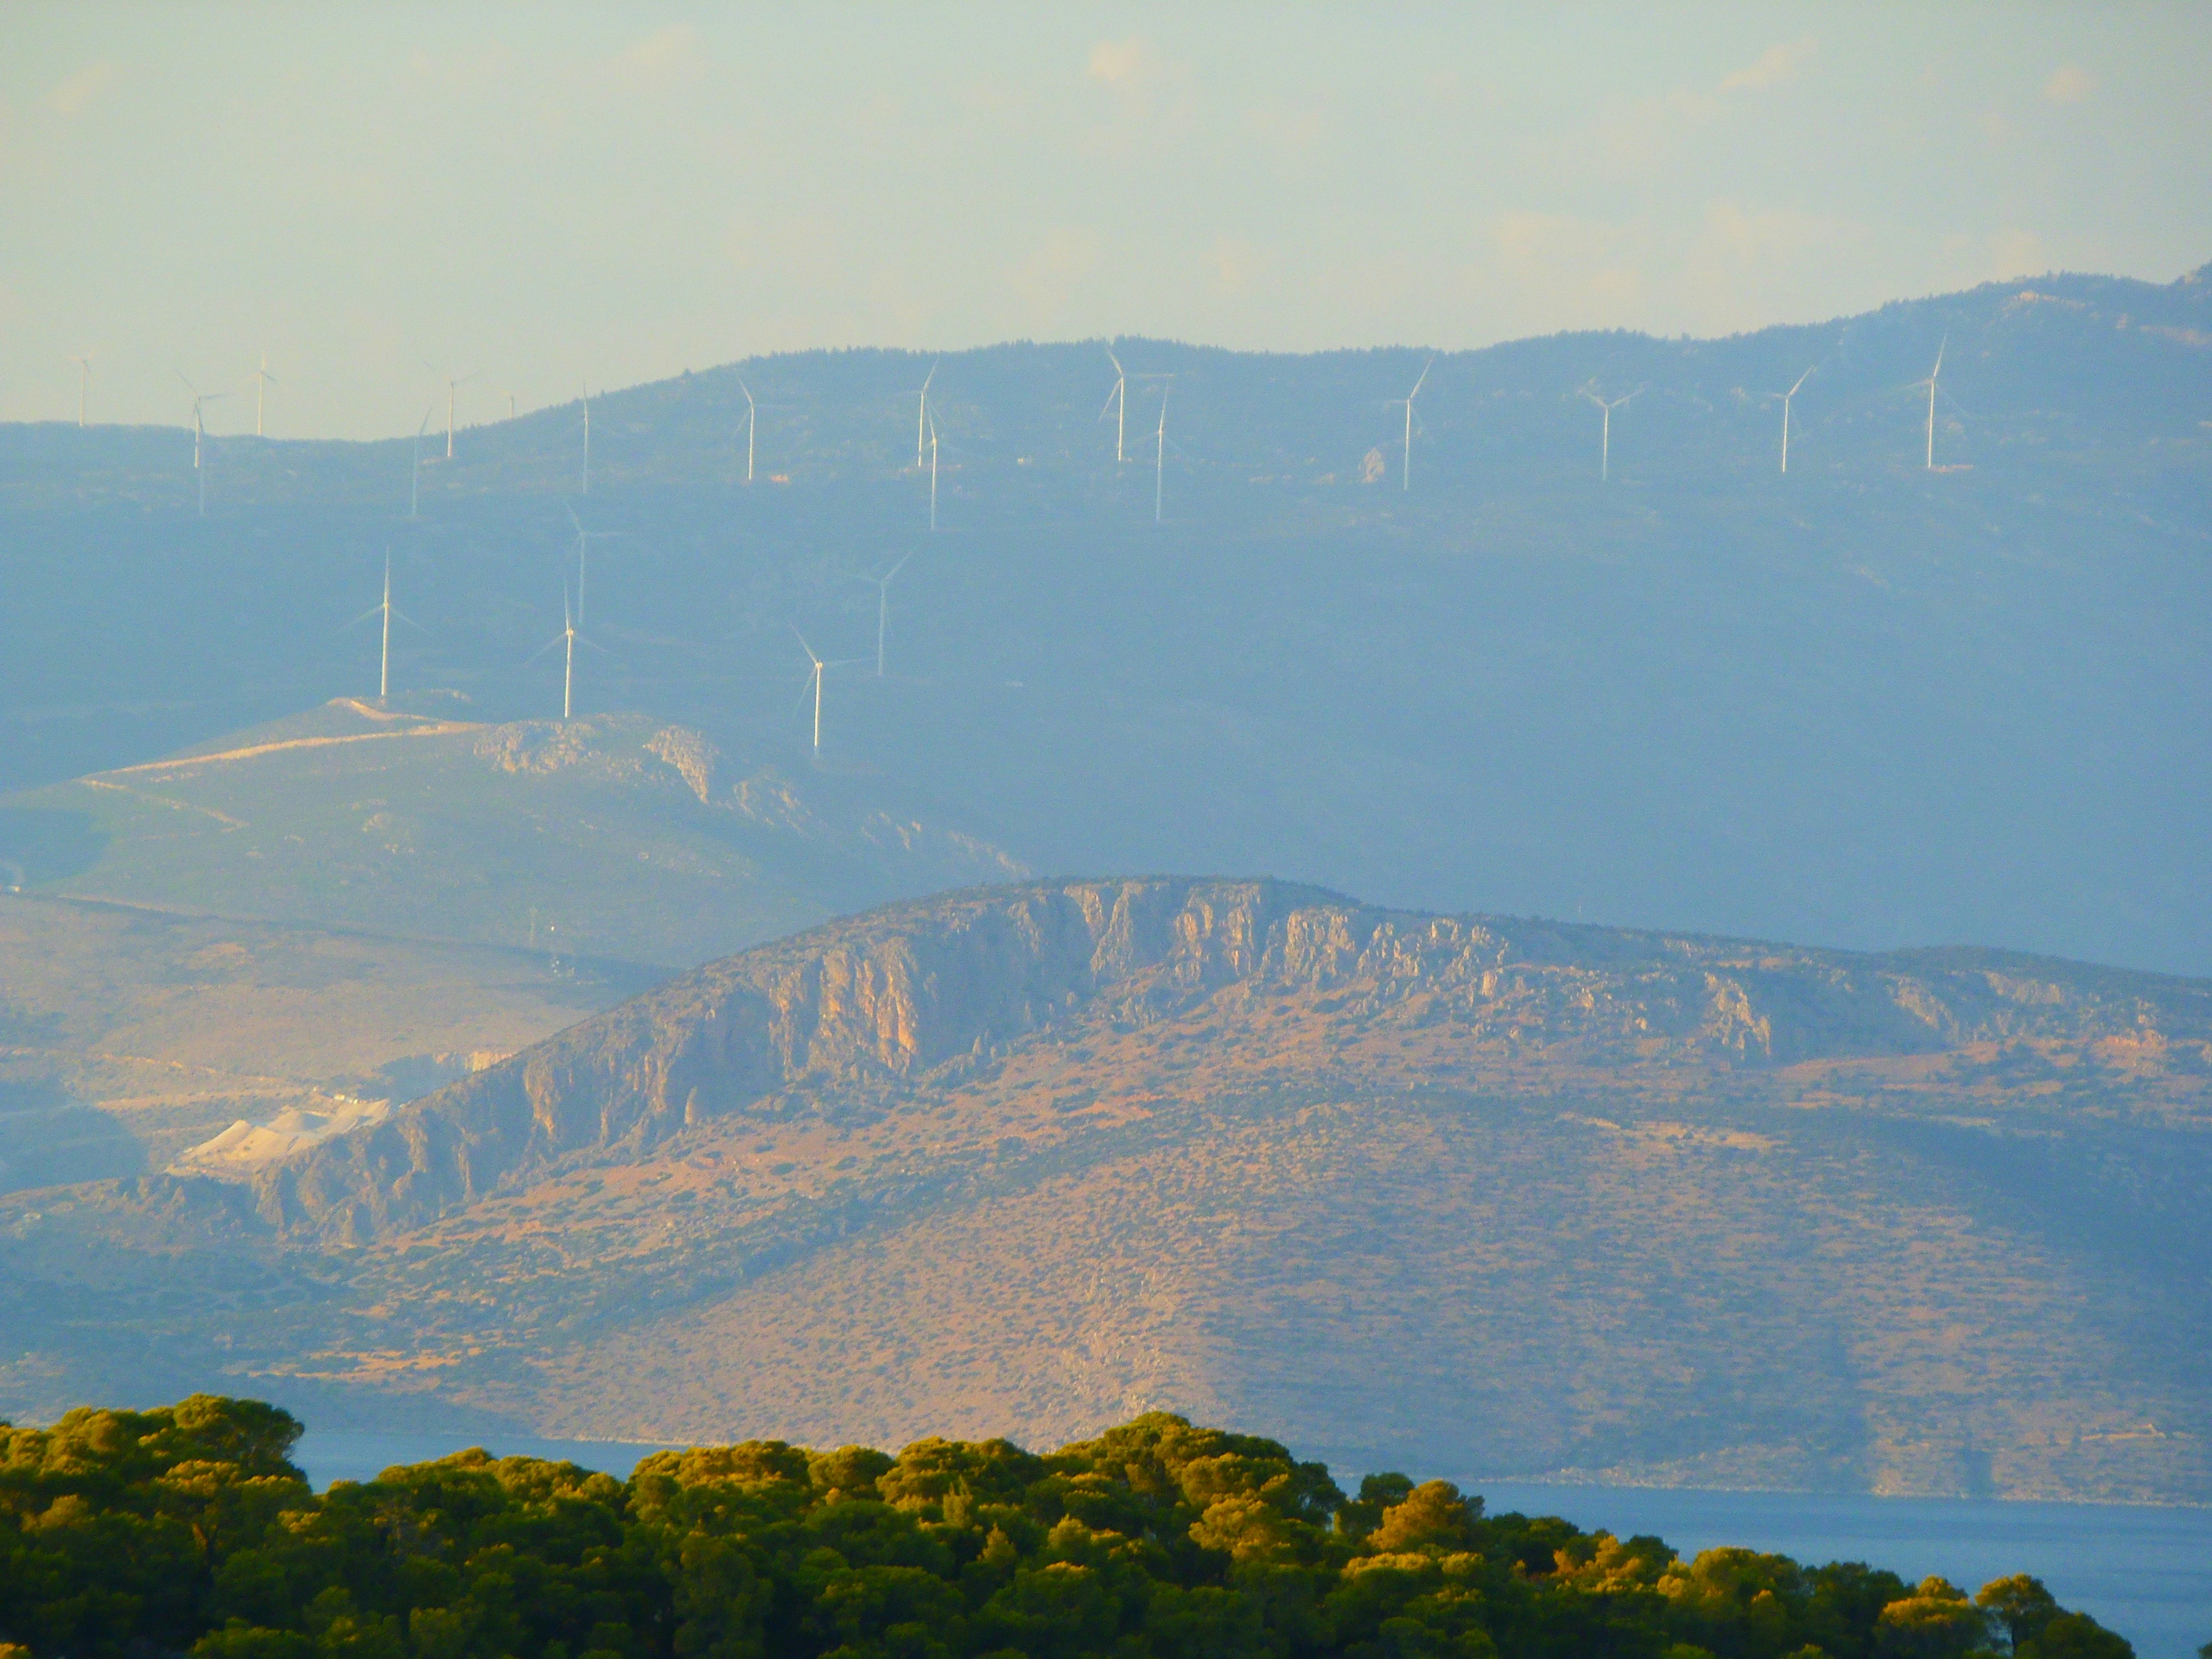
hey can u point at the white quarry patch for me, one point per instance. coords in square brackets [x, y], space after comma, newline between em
[246, 1147]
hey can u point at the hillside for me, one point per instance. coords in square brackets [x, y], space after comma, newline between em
[129, 1035]
[1866, 704]
[1026, 1160]
[612, 837]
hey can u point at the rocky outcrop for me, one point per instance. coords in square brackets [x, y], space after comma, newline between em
[854, 1013]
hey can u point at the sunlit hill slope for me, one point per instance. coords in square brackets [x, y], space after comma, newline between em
[1651, 1206]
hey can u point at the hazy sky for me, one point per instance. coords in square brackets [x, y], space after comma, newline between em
[541, 193]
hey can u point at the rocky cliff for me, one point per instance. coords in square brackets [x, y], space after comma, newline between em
[852, 1015]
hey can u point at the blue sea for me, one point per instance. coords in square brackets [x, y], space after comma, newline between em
[2146, 1572]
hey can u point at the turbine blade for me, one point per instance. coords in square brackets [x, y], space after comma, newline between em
[895, 569]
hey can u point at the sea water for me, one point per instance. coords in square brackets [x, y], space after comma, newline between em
[2143, 1571]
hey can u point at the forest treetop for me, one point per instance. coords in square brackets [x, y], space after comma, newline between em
[188, 1529]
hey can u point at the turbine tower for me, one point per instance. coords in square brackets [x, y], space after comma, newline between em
[1160, 451]
[83, 385]
[567, 638]
[1786, 397]
[587, 438]
[583, 553]
[453, 383]
[1118, 400]
[1409, 400]
[816, 669]
[262, 380]
[1605, 431]
[384, 655]
[200, 400]
[388, 612]
[1933, 376]
[932, 472]
[415, 478]
[882, 585]
[752, 425]
[921, 413]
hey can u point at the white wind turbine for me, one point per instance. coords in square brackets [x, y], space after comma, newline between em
[453, 383]
[200, 401]
[1118, 401]
[263, 380]
[882, 585]
[415, 478]
[1605, 431]
[584, 553]
[386, 610]
[932, 472]
[568, 639]
[921, 413]
[1160, 450]
[83, 385]
[752, 425]
[587, 438]
[1786, 397]
[1933, 374]
[817, 667]
[1408, 401]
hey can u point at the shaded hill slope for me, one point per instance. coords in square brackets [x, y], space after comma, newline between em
[128, 1035]
[1559, 1199]
[619, 836]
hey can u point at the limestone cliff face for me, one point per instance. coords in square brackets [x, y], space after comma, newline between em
[859, 1012]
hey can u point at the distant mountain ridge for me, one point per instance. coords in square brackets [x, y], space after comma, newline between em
[1867, 702]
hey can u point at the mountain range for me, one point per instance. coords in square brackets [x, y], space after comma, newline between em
[704, 1061]
[1866, 703]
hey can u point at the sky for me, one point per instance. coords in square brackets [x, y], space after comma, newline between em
[379, 196]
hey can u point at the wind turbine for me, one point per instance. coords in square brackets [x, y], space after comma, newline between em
[583, 553]
[415, 479]
[83, 385]
[1119, 398]
[509, 396]
[1408, 401]
[587, 438]
[453, 383]
[568, 639]
[200, 400]
[921, 412]
[1786, 397]
[819, 665]
[1160, 451]
[386, 610]
[752, 425]
[1929, 383]
[262, 380]
[1605, 431]
[932, 472]
[882, 606]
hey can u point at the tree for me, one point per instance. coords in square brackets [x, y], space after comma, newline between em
[2018, 1606]
[2077, 1636]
